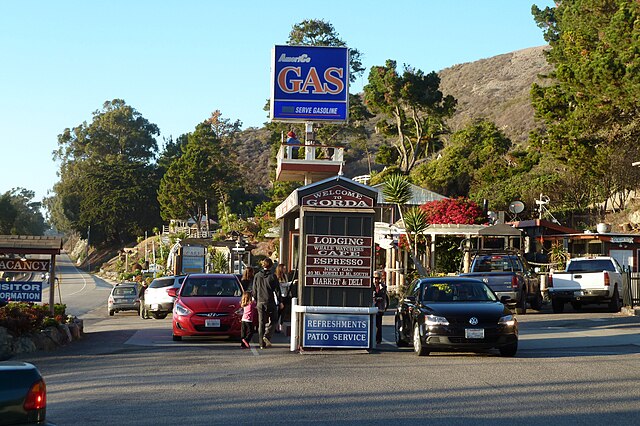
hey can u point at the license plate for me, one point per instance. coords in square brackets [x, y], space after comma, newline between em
[154, 307]
[212, 323]
[474, 333]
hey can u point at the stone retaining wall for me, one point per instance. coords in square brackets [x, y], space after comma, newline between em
[46, 340]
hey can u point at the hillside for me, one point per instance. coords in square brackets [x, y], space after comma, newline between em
[496, 88]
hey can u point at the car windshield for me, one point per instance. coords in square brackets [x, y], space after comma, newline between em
[161, 282]
[496, 263]
[124, 291]
[458, 291]
[225, 287]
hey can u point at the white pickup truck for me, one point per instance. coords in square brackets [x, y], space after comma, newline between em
[587, 280]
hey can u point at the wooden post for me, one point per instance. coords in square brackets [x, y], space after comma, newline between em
[52, 280]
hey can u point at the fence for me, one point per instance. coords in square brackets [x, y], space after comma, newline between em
[630, 288]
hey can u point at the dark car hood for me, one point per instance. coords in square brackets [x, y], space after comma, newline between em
[460, 309]
[211, 303]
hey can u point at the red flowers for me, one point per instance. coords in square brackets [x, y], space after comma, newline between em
[453, 210]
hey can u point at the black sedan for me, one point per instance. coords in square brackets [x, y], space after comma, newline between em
[454, 314]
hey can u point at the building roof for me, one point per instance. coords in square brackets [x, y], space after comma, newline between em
[419, 195]
[30, 244]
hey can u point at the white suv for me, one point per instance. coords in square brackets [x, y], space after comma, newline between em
[157, 301]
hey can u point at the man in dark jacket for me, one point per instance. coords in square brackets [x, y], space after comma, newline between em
[265, 291]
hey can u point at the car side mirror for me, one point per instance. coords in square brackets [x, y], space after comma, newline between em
[172, 292]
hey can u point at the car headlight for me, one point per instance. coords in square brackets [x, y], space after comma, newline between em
[240, 311]
[430, 320]
[179, 309]
[508, 320]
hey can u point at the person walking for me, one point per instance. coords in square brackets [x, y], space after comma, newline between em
[249, 308]
[265, 291]
[283, 287]
[380, 299]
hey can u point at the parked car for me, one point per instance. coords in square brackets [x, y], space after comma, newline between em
[124, 297]
[455, 314]
[587, 280]
[156, 300]
[23, 395]
[508, 274]
[207, 305]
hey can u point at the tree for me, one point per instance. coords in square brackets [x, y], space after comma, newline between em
[19, 215]
[194, 182]
[107, 179]
[414, 109]
[116, 132]
[317, 32]
[397, 191]
[590, 106]
[474, 156]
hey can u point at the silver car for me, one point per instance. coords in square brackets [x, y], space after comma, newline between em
[124, 297]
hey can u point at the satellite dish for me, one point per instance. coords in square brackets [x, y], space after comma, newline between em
[516, 207]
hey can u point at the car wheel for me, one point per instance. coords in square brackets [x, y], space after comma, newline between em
[615, 305]
[400, 342]
[557, 306]
[521, 307]
[536, 303]
[576, 305]
[177, 338]
[111, 312]
[418, 347]
[509, 350]
[159, 315]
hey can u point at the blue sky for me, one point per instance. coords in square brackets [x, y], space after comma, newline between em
[177, 61]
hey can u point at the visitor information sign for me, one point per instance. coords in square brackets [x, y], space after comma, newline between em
[310, 83]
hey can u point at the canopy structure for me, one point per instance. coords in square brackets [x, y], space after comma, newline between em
[30, 244]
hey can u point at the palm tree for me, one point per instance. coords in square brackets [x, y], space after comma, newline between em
[397, 191]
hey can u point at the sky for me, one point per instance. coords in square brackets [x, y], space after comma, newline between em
[176, 62]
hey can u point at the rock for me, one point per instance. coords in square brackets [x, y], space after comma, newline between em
[23, 344]
[74, 330]
[66, 334]
[55, 335]
[43, 342]
[6, 344]
[634, 217]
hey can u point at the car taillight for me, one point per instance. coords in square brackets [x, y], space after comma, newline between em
[607, 281]
[550, 281]
[110, 299]
[514, 282]
[37, 397]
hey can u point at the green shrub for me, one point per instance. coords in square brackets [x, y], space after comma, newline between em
[21, 318]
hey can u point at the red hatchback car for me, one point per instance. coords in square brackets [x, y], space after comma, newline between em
[207, 305]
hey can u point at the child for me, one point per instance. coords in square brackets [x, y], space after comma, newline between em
[249, 308]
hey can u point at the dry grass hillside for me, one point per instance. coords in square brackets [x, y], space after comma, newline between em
[497, 88]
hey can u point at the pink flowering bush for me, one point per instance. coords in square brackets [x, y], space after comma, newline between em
[453, 210]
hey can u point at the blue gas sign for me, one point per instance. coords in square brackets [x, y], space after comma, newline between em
[336, 331]
[310, 83]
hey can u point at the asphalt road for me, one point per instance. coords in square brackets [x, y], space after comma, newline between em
[573, 368]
